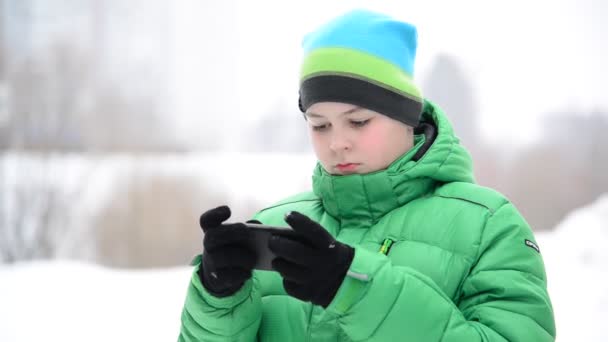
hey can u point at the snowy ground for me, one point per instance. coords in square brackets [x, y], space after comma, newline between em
[67, 301]
[576, 258]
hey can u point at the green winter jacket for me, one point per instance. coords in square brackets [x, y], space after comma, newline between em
[437, 258]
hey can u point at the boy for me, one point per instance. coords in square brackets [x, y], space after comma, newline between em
[395, 242]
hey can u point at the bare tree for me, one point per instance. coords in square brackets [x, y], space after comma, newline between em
[152, 220]
[68, 93]
[37, 210]
[46, 100]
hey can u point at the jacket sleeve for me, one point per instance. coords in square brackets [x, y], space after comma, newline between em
[209, 318]
[504, 297]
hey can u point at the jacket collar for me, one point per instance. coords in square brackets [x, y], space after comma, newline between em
[360, 200]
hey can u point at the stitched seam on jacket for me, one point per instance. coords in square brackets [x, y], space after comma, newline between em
[483, 231]
[508, 269]
[492, 211]
[517, 313]
[479, 252]
[286, 203]
[369, 206]
[479, 328]
[387, 312]
[463, 255]
[452, 144]
[445, 328]
[440, 294]
[473, 262]
[212, 333]
[187, 331]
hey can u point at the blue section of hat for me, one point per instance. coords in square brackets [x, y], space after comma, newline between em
[370, 32]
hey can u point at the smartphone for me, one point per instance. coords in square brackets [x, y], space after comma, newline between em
[260, 234]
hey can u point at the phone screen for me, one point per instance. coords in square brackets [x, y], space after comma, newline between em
[260, 234]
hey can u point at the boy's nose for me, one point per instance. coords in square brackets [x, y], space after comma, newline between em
[339, 143]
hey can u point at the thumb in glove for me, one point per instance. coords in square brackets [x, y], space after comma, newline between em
[227, 261]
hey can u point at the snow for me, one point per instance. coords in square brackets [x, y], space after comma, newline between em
[576, 258]
[69, 301]
[72, 301]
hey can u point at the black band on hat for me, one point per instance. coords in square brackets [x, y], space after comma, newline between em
[334, 88]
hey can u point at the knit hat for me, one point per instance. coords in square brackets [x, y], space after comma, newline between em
[365, 59]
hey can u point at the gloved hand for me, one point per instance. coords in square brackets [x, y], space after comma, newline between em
[227, 262]
[312, 263]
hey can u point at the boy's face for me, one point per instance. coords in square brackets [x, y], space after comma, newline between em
[349, 139]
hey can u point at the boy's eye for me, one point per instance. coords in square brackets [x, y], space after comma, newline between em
[359, 123]
[319, 127]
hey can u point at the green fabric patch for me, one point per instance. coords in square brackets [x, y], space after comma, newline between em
[386, 246]
[351, 293]
[356, 64]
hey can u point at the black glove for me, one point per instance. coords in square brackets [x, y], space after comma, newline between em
[312, 263]
[227, 262]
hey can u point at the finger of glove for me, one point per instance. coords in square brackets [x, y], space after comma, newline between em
[225, 235]
[290, 271]
[233, 256]
[254, 221]
[214, 217]
[292, 250]
[300, 291]
[309, 229]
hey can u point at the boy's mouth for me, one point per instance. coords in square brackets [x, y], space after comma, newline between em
[347, 167]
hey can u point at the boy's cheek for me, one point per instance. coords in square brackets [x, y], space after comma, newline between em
[371, 141]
